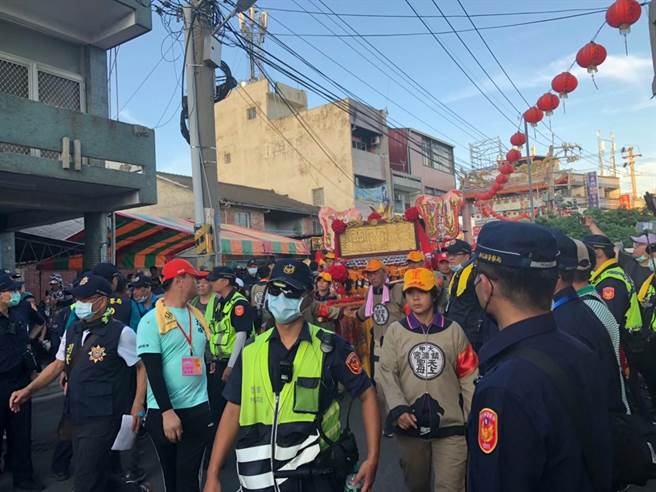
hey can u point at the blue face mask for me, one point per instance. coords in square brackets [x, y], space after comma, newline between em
[84, 310]
[15, 299]
[455, 268]
[283, 309]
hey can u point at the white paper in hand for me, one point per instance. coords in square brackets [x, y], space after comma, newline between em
[125, 437]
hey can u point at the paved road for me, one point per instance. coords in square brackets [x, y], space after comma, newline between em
[46, 416]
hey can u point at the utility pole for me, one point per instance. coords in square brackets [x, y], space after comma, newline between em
[601, 149]
[203, 56]
[629, 156]
[613, 152]
[530, 172]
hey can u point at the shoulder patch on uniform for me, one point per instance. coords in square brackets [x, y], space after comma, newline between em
[353, 363]
[239, 310]
[488, 430]
[608, 293]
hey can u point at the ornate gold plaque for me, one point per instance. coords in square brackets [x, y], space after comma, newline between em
[376, 239]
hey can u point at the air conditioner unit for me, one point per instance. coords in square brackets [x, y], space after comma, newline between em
[376, 140]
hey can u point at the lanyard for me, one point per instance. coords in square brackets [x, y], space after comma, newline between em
[191, 333]
[563, 300]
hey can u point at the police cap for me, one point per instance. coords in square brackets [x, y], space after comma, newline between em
[7, 283]
[457, 246]
[106, 270]
[91, 285]
[222, 272]
[517, 245]
[568, 255]
[294, 273]
[598, 241]
[141, 280]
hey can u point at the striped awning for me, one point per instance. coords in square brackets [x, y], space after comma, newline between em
[145, 240]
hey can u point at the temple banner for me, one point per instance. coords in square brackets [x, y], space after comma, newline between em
[382, 238]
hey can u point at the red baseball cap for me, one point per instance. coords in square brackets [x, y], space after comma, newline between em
[442, 257]
[177, 267]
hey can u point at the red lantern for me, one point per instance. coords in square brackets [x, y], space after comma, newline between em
[564, 83]
[513, 155]
[591, 56]
[501, 179]
[507, 169]
[518, 139]
[548, 102]
[495, 188]
[622, 14]
[533, 116]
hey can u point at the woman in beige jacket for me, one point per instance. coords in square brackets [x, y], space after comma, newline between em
[427, 370]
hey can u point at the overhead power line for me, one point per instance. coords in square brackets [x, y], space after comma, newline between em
[406, 16]
[406, 77]
[446, 18]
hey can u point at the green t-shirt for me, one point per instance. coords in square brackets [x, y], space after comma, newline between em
[184, 391]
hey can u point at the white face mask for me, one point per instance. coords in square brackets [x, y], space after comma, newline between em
[84, 310]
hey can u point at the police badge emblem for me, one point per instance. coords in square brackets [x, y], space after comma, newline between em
[488, 430]
[97, 354]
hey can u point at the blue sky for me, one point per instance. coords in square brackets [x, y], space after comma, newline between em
[149, 70]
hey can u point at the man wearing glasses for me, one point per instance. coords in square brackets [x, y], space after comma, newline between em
[282, 409]
[463, 307]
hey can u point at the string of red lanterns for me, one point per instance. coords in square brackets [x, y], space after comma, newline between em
[622, 14]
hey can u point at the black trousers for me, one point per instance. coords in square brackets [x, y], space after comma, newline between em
[92, 452]
[17, 425]
[181, 461]
[215, 388]
[61, 457]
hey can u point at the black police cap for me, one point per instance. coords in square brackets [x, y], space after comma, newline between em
[457, 246]
[141, 280]
[91, 285]
[106, 270]
[294, 273]
[221, 272]
[7, 283]
[517, 245]
[598, 241]
[568, 258]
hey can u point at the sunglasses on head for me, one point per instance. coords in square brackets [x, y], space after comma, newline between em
[287, 291]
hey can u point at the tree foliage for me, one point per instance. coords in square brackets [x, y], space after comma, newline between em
[618, 224]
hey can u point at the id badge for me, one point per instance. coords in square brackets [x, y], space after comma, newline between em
[192, 366]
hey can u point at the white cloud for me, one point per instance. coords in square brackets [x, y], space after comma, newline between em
[126, 116]
[628, 70]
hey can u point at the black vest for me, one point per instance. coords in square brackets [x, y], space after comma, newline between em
[100, 383]
[13, 342]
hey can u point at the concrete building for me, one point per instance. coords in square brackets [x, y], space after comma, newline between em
[555, 190]
[261, 143]
[421, 164]
[254, 208]
[60, 155]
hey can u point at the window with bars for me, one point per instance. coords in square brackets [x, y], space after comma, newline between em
[243, 219]
[28, 80]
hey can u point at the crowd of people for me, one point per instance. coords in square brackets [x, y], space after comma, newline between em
[511, 365]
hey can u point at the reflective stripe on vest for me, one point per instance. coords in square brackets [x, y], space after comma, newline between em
[646, 298]
[633, 317]
[212, 323]
[225, 338]
[288, 418]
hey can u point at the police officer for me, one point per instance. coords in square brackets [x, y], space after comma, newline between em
[231, 320]
[462, 306]
[521, 434]
[614, 286]
[282, 410]
[16, 366]
[119, 302]
[576, 319]
[97, 354]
